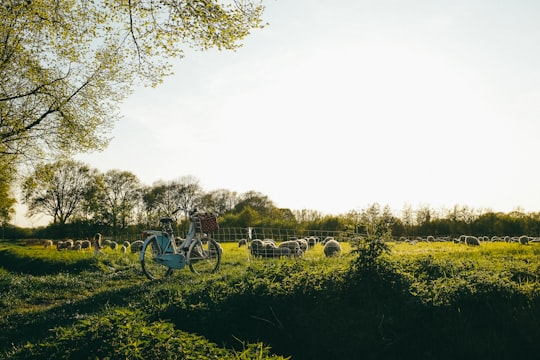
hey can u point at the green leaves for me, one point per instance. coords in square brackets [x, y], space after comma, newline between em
[66, 65]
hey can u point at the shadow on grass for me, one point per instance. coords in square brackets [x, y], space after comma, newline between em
[371, 318]
[35, 325]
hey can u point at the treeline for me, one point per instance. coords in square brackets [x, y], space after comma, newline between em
[82, 201]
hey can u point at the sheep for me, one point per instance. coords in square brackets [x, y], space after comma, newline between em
[257, 247]
[472, 240]
[123, 249]
[86, 244]
[60, 245]
[136, 246]
[332, 248]
[242, 242]
[279, 252]
[270, 243]
[304, 245]
[113, 245]
[430, 238]
[326, 239]
[77, 246]
[524, 240]
[47, 244]
[126, 244]
[64, 245]
[312, 241]
[267, 248]
[293, 246]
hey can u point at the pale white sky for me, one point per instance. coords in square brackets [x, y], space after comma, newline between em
[340, 104]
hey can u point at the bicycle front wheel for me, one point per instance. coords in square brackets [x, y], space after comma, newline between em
[204, 256]
[150, 266]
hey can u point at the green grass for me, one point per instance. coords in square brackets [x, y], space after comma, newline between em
[431, 301]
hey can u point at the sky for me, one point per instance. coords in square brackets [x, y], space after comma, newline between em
[337, 105]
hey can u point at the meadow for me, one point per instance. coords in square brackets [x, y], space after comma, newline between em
[429, 300]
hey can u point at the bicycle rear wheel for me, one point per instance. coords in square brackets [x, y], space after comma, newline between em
[204, 256]
[150, 266]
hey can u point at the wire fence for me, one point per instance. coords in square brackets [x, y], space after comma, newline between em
[233, 234]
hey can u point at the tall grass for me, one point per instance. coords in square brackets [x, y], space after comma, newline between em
[430, 301]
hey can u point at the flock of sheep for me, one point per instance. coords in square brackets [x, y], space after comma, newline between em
[296, 247]
[268, 248]
[97, 244]
[474, 240]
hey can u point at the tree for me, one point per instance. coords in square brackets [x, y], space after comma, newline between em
[220, 201]
[255, 200]
[7, 200]
[66, 65]
[377, 222]
[161, 199]
[57, 189]
[188, 192]
[118, 195]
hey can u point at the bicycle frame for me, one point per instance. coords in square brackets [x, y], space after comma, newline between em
[171, 255]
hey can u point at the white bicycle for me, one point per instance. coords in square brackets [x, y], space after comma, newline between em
[160, 255]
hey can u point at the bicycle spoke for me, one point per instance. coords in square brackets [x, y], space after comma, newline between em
[204, 256]
[150, 265]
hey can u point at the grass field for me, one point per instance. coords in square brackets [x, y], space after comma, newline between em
[429, 300]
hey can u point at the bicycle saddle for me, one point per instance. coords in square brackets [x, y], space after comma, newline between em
[166, 220]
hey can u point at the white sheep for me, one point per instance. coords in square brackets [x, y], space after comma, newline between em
[472, 240]
[242, 242]
[326, 239]
[86, 244]
[267, 249]
[304, 245]
[312, 241]
[47, 244]
[293, 246]
[113, 245]
[332, 248]
[524, 240]
[64, 245]
[136, 246]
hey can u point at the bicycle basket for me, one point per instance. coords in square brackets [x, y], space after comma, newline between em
[206, 223]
